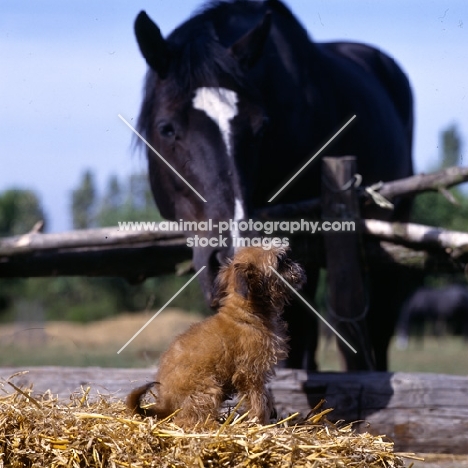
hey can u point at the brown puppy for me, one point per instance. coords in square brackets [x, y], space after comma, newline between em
[233, 351]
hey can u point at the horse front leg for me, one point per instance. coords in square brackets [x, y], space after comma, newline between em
[303, 327]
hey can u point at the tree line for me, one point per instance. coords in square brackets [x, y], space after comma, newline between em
[82, 298]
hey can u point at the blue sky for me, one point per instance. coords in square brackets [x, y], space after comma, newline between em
[68, 68]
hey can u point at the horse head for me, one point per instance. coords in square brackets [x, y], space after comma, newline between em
[203, 118]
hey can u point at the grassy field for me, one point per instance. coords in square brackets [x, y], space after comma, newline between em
[92, 344]
[96, 344]
[445, 355]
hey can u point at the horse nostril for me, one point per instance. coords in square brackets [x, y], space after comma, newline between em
[213, 263]
[218, 258]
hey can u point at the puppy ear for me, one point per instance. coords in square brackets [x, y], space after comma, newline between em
[246, 279]
[241, 282]
[220, 286]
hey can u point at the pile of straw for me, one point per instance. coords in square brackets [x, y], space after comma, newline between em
[39, 432]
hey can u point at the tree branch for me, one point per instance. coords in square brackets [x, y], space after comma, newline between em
[442, 179]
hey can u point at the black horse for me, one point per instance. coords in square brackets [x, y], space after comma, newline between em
[444, 309]
[237, 99]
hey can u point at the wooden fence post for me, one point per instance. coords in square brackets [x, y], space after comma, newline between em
[347, 302]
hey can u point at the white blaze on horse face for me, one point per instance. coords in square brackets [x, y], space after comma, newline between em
[220, 105]
[239, 215]
[238, 210]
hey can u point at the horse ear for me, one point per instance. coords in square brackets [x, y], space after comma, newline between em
[152, 45]
[249, 48]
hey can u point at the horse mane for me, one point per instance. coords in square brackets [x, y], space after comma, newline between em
[199, 56]
[197, 59]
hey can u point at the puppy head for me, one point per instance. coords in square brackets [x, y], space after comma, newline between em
[259, 276]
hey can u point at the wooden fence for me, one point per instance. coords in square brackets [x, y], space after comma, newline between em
[136, 255]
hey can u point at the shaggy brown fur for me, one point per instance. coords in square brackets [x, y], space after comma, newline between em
[233, 351]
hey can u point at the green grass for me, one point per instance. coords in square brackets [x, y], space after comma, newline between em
[20, 356]
[446, 355]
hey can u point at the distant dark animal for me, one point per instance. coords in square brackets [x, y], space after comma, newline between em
[237, 99]
[442, 309]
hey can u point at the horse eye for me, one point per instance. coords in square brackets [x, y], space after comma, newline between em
[166, 130]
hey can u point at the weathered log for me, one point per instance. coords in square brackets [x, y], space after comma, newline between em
[438, 261]
[437, 182]
[415, 235]
[454, 243]
[85, 238]
[420, 412]
[345, 284]
[94, 252]
[138, 255]
[419, 183]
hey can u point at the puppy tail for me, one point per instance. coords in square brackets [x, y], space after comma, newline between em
[134, 400]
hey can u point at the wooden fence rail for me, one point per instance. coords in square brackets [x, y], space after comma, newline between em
[136, 255]
[139, 255]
